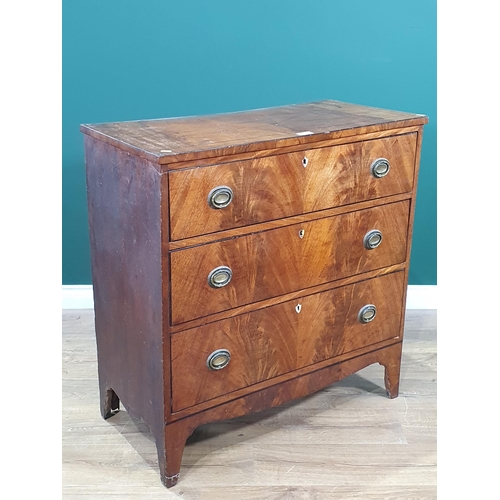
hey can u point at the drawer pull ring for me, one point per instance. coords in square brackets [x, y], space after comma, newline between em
[372, 239]
[367, 313]
[219, 359]
[380, 167]
[220, 197]
[220, 276]
[305, 161]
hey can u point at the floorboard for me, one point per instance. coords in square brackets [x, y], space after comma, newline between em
[346, 441]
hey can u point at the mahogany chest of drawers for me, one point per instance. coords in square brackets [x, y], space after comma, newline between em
[243, 260]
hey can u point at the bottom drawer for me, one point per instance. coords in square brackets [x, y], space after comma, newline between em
[279, 339]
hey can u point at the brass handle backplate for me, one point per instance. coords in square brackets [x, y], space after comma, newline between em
[367, 313]
[372, 239]
[380, 167]
[220, 276]
[220, 197]
[219, 359]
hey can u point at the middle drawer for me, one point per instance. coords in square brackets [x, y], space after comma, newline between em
[275, 262]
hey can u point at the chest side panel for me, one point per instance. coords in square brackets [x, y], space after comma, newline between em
[125, 236]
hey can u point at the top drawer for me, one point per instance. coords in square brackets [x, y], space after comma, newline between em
[288, 184]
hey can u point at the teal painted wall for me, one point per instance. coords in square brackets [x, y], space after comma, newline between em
[130, 60]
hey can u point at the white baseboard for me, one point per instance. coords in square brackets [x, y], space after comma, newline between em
[80, 297]
[422, 297]
[77, 297]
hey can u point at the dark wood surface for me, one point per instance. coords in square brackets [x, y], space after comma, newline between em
[151, 293]
[280, 186]
[314, 141]
[276, 340]
[286, 297]
[276, 262]
[411, 221]
[285, 221]
[224, 398]
[125, 229]
[389, 357]
[180, 139]
[335, 444]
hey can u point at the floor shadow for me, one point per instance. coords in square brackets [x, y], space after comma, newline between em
[138, 434]
[341, 392]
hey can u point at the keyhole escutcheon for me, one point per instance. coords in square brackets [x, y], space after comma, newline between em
[301, 233]
[298, 307]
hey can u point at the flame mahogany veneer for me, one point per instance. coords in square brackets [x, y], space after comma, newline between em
[287, 202]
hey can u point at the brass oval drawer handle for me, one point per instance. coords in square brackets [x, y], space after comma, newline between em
[219, 359]
[220, 276]
[220, 197]
[380, 167]
[372, 239]
[367, 313]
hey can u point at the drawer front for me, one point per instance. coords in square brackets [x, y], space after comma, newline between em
[278, 339]
[281, 186]
[284, 260]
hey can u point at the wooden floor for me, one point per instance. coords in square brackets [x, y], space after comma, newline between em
[346, 441]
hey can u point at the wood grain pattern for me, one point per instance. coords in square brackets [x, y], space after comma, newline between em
[153, 305]
[293, 148]
[280, 186]
[224, 398]
[286, 221]
[345, 441]
[165, 311]
[270, 342]
[286, 297]
[281, 393]
[125, 228]
[411, 221]
[180, 139]
[276, 262]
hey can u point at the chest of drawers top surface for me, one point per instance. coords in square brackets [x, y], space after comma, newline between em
[168, 141]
